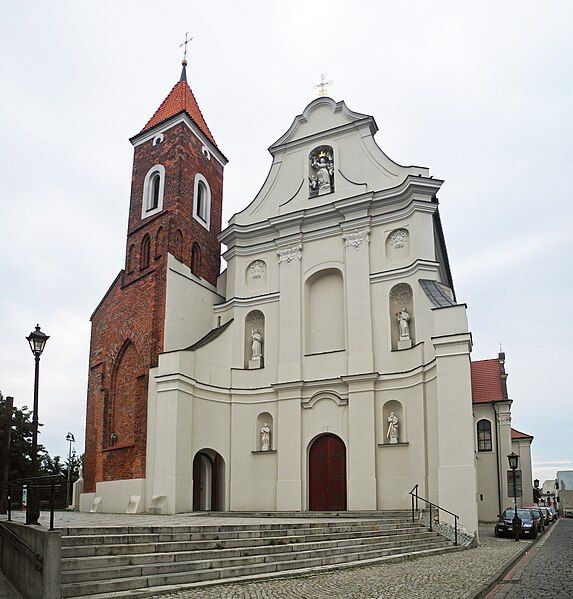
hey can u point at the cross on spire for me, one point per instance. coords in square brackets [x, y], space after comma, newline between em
[187, 40]
[322, 86]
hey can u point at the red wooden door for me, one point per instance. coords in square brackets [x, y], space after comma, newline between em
[327, 474]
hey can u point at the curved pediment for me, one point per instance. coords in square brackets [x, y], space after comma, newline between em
[321, 116]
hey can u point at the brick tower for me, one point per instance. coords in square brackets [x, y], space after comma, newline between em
[175, 209]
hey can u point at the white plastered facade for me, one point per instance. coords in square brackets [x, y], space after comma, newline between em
[320, 271]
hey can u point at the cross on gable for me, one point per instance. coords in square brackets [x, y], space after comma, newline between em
[322, 86]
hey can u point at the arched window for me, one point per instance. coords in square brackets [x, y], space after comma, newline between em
[145, 252]
[484, 435]
[202, 201]
[153, 185]
[195, 259]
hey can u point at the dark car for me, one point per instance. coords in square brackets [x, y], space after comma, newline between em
[539, 517]
[529, 526]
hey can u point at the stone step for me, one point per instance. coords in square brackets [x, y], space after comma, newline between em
[138, 548]
[219, 558]
[99, 562]
[106, 587]
[139, 537]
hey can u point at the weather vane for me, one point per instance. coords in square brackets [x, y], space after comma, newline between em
[187, 40]
[322, 86]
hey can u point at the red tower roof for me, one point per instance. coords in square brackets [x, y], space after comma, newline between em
[486, 381]
[180, 99]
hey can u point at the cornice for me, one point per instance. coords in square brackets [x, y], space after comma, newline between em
[405, 271]
[247, 301]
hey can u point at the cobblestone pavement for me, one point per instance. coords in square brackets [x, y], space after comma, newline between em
[78, 519]
[447, 576]
[546, 572]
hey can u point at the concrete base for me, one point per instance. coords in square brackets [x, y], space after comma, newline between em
[255, 363]
[404, 343]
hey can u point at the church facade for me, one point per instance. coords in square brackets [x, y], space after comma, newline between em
[327, 368]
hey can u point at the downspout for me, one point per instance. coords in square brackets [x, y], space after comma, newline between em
[498, 457]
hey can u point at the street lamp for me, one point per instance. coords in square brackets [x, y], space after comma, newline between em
[37, 340]
[70, 439]
[513, 459]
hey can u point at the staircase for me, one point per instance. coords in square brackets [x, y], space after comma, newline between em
[146, 560]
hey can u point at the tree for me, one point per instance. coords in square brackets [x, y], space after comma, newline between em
[21, 442]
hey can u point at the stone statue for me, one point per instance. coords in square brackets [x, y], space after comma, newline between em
[256, 344]
[323, 166]
[403, 318]
[265, 438]
[392, 433]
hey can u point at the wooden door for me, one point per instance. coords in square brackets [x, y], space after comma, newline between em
[327, 474]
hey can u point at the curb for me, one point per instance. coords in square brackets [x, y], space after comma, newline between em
[497, 578]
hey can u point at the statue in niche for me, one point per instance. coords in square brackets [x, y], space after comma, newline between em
[403, 326]
[321, 178]
[256, 344]
[265, 438]
[392, 433]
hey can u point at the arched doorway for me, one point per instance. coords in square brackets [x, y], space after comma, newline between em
[208, 481]
[327, 474]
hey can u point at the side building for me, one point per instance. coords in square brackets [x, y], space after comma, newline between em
[495, 439]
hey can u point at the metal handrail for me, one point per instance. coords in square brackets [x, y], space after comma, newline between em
[415, 498]
[37, 483]
[23, 547]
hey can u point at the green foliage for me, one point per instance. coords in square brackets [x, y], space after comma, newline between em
[21, 447]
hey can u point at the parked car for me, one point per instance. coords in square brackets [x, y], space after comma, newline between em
[548, 515]
[539, 517]
[529, 525]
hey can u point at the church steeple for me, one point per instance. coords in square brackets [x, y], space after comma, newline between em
[180, 100]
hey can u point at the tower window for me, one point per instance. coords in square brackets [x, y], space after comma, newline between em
[484, 435]
[153, 186]
[202, 201]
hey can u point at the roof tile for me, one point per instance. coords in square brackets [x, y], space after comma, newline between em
[486, 381]
[515, 434]
[180, 99]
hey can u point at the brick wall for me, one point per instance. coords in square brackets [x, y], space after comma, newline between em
[127, 326]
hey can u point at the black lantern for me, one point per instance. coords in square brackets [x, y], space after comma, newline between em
[513, 459]
[37, 341]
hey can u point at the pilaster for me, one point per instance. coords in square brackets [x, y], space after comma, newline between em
[361, 442]
[288, 445]
[290, 328]
[358, 309]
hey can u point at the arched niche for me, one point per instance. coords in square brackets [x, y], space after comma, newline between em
[159, 241]
[254, 340]
[324, 312]
[256, 274]
[401, 308]
[264, 439]
[398, 244]
[321, 171]
[394, 410]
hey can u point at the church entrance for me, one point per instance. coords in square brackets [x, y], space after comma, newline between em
[327, 474]
[208, 481]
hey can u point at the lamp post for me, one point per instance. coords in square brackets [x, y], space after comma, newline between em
[37, 340]
[513, 459]
[70, 439]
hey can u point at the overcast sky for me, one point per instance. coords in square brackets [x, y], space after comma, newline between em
[479, 92]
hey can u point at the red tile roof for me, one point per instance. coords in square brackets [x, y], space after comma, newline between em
[486, 381]
[515, 434]
[180, 99]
